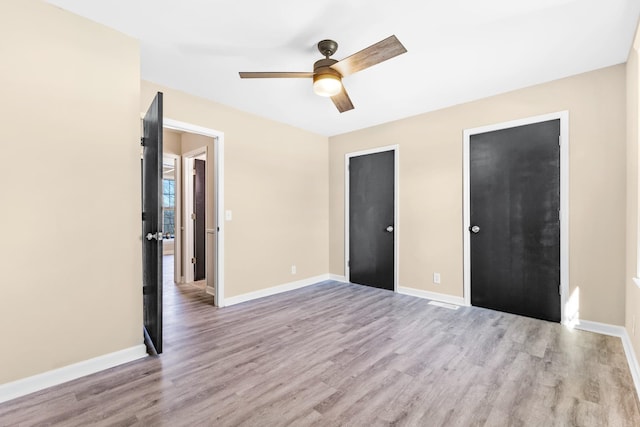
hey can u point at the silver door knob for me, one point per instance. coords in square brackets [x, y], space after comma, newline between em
[474, 229]
[156, 236]
[389, 229]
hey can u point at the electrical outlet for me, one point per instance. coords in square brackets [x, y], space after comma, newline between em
[293, 269]
[436, 278]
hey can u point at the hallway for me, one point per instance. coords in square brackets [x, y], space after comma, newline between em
[184, 307]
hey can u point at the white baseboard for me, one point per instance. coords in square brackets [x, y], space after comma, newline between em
[450, 299]
[275, 290]
[620, 332]
[338, 278]
[632, 360]
[47, 379]
[210, 290]
[600, 328]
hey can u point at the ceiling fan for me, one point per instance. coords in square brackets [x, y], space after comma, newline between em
[328, 73]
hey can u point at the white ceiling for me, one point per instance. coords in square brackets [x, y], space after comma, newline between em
[458, 50]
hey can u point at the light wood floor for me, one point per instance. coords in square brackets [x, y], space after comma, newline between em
[336, 354]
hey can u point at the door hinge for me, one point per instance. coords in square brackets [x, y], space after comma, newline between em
[560, 289]
[559, 215]
[193, 216]
[142, 141]
[559, 139]
[193, 260]
[194, 171]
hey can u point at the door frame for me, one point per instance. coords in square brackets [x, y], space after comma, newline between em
[177, 235]
[187, 209]
[396, 211]
[218, 194]
[565, 316]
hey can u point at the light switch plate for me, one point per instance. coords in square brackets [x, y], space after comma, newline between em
[228, 215]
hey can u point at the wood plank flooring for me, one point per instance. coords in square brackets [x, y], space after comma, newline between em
[335, 354]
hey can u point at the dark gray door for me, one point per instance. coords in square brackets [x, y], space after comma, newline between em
[199, 209]
[372, 219]
[515, 203]
[152, 224]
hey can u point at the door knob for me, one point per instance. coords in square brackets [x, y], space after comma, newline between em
[389, 229]
[157, 236]
[474, 229]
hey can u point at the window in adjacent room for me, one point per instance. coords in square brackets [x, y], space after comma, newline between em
[168, 208]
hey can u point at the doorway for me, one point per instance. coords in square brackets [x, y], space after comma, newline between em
[211, 240]
[516, 216]
[371, 220]
[171, 215]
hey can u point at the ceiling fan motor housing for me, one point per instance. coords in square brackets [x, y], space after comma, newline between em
[323, 66]
[327, 47]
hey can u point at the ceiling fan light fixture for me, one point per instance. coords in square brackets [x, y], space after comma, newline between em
[326, 84]
[328, 73]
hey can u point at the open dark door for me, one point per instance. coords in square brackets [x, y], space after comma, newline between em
[199, 209]
[515, 225]
[152, 225]
[372, 220]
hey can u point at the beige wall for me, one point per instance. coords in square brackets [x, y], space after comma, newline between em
[276, 185]
[430, 220]
[171, 142]
[633, 99]
[69, 92]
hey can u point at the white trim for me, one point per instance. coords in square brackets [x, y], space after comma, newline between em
[396, 191]
[190, 128]
[434, 296]
[276, 289]
[564, 200]
[600, 328]
[632, 360]
[218, 280]
[338, 278]
[620, 332]
[218, 283]
[210, 290]
[54, 377]
[444, 305]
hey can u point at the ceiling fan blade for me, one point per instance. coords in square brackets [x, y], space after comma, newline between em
[269, 75]
[374, 54]
[342, 101]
